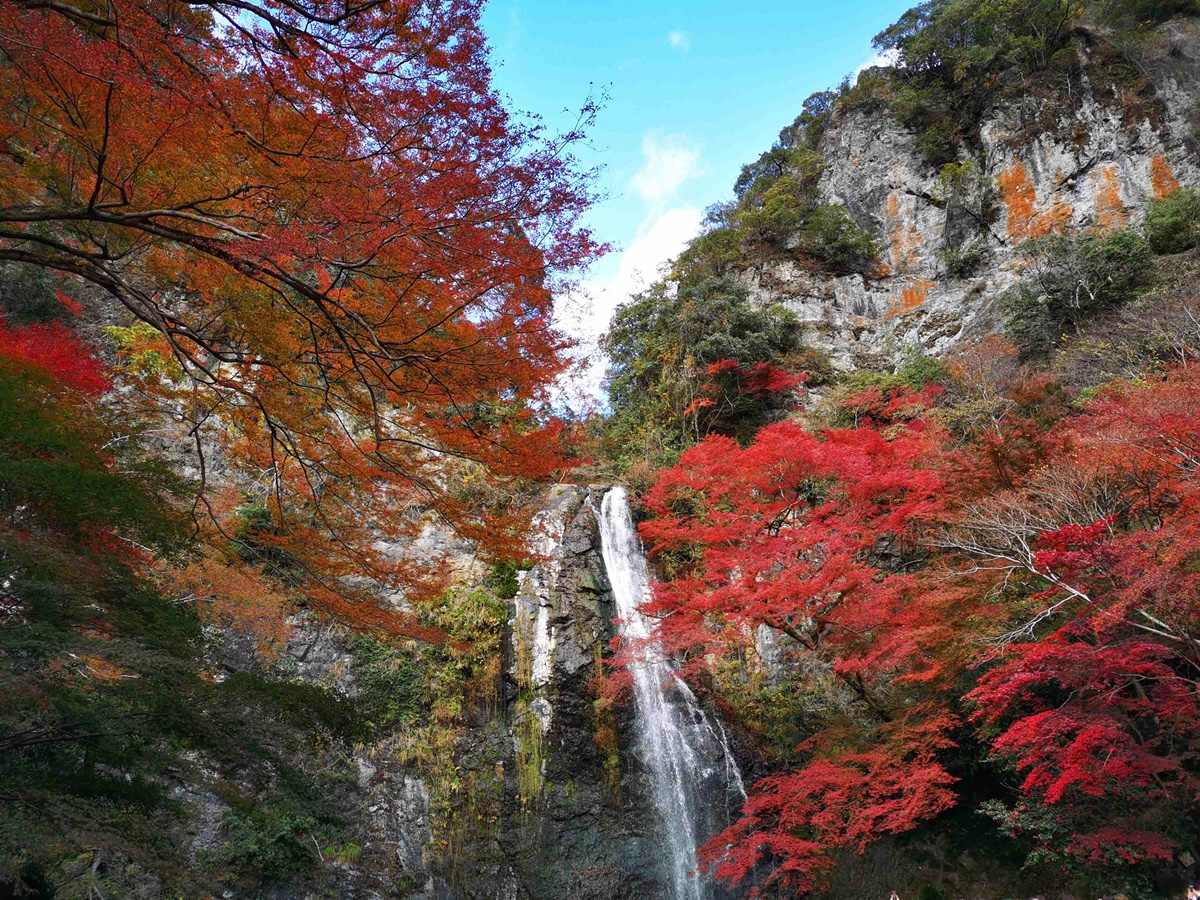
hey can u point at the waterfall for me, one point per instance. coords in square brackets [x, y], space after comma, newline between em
[697, 786]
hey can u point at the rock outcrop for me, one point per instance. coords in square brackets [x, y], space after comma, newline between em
[1060, 160]
[575, 820]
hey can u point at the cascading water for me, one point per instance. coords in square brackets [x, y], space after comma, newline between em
[696, 782]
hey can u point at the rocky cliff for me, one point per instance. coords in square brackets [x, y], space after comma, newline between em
[575, 819]
[1089, 152]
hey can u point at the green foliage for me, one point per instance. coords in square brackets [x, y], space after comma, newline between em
[962, 188]
[1070, 279]
[915, 372]
[782, 715]
[144, 351]
[969, 201]
[393, 682]
[99, 723]
[871, 91]
[1050, 831]
[463, 672]
[779, 206]
[953, 54]
[966, 40]
[713, 254]
[660, 346]
[469, 617]
[271, 839]
[503, 579]
[255, 533]
[775, 209]
[1173, 223]
[830, 234]
[963, 260]
[956, 57]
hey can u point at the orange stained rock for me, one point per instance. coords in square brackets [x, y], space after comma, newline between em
[905, 239]
[1110, 211]
[911, 297]
[1051, 221]
[1019, 198]
[1162, 180]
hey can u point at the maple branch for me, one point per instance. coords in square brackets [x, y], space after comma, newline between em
[68, 11]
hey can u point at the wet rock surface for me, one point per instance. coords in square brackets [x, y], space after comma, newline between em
[551, 814]
[581, 833]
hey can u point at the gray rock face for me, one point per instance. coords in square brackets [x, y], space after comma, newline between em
[1088, 160]
[398, 823]
[562, 611]
[573, 827]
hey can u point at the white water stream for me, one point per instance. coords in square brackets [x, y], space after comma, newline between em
[697, 786]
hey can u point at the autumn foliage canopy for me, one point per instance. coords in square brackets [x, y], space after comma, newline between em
[332, 247]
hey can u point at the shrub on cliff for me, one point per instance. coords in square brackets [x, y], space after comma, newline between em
[700, 362]
[1173, 223]
[831, 235]
[779, 206]
[1069, 279]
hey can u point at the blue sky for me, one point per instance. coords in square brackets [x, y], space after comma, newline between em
[695, 91]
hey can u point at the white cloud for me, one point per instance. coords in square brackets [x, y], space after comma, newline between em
[680, 40]
[658, 242]
[884, 58]
[668, 162]
[586, 316]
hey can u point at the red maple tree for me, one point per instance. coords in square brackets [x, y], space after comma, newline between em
[1026, 578]
[345, 244]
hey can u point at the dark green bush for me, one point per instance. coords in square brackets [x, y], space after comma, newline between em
[1173, 224]
[392, 683]
[937, 142]
[1069, 280]
[270, 838]
[1132, 13]
[659, 346]
[503, 579]
[963, 260]
[831, 234]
